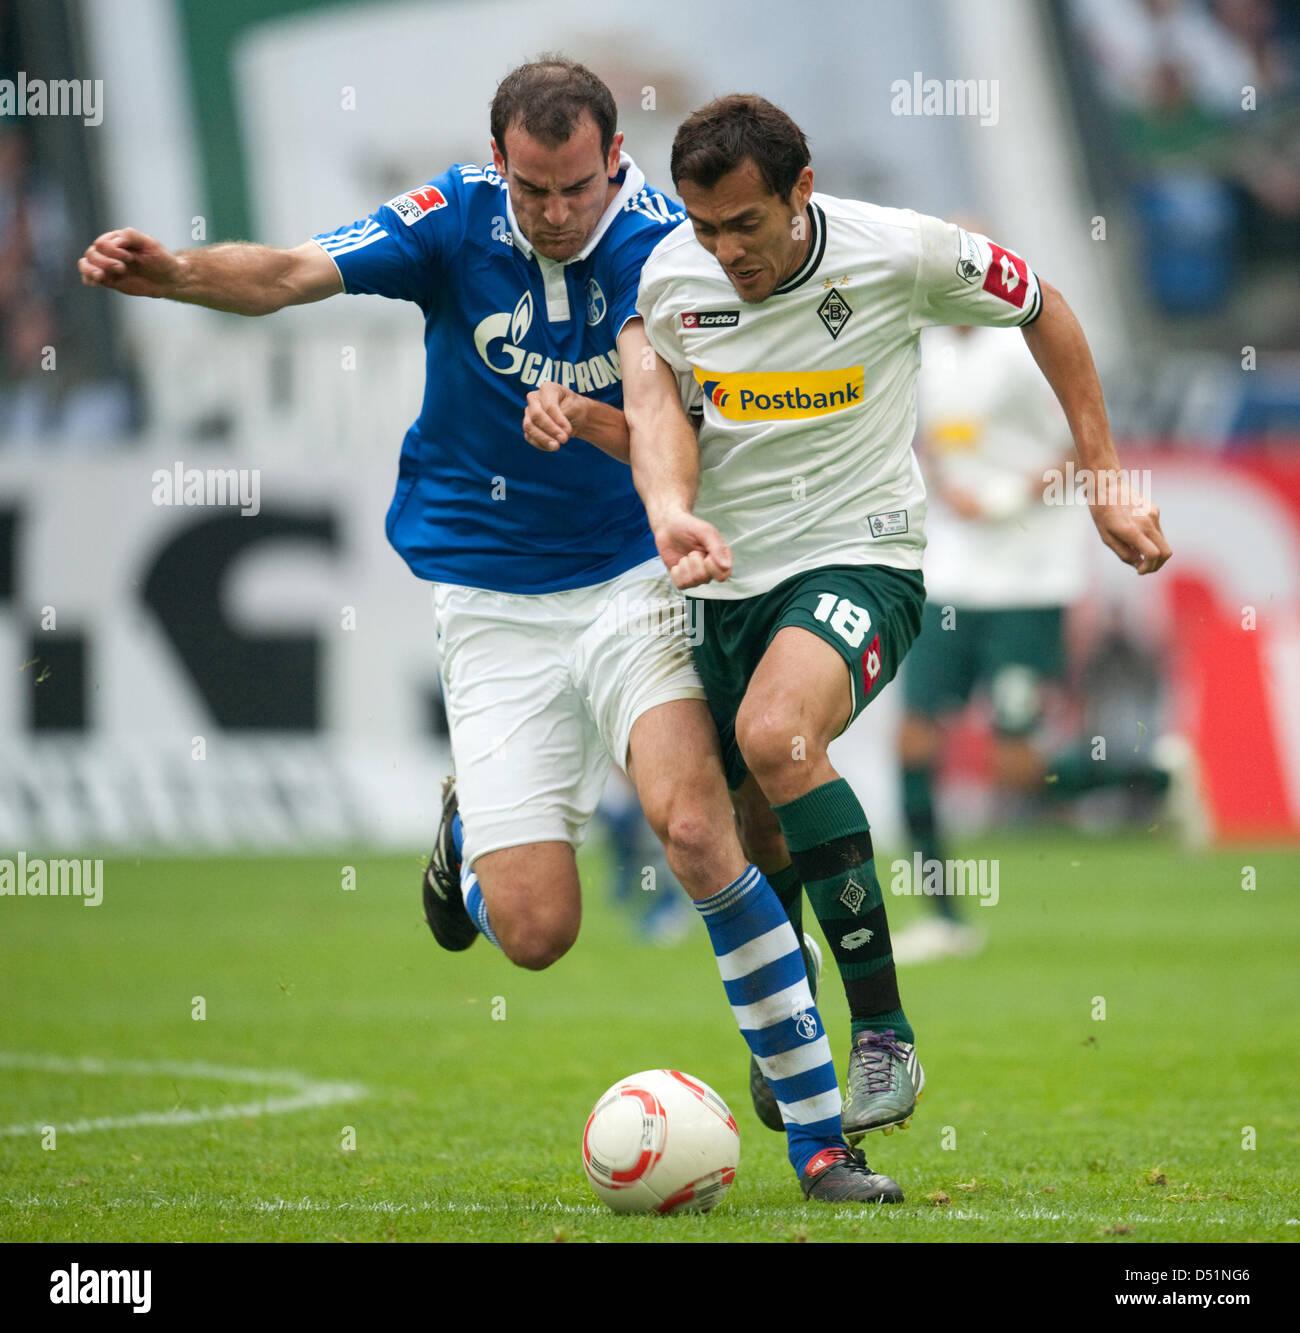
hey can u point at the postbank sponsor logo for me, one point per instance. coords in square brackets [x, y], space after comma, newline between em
[782, 395]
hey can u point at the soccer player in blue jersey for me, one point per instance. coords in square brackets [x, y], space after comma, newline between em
[562, 639]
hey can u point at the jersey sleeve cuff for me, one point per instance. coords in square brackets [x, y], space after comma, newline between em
[343, 282]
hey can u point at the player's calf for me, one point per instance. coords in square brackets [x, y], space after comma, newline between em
[761, 838]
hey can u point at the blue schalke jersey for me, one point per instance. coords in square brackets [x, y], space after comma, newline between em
[476, 504]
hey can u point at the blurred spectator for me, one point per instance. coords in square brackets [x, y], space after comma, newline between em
[33, 245]
[44, 393]
[1203, 99]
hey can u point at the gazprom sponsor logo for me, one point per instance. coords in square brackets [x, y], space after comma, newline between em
[782, 395]
[522, 320]
[498, 340]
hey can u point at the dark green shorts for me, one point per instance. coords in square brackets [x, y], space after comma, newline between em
[868, 613]
[1011, 653]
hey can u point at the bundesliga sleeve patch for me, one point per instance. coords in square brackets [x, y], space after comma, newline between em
[411, 207]
[1008, 276]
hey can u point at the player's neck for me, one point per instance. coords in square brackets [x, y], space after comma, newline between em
[801, 226]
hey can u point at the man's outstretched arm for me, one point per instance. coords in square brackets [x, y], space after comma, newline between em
[665, 458]
[1131, 529]
[238, 277]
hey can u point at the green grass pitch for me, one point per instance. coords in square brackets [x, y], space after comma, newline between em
[1173, 1118]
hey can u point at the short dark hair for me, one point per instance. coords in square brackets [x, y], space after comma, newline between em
[547, 97]
[717, 138]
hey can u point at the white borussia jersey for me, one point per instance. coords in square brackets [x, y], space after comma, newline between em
[990, 426]
[809, 397]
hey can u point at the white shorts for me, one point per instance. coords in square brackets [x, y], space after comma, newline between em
[542, 689]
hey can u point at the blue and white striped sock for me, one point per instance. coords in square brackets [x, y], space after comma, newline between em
[763, 971]
[475, 905]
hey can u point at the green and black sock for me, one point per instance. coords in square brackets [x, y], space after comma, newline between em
[830, 846]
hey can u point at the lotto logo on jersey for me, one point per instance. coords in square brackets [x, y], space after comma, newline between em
[710, 319]
[1008, 276]
[780, 395]
[871, 665]
[413, 206]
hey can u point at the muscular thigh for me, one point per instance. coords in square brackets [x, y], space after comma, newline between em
[673, 759]
[824, 643]
[800, 695]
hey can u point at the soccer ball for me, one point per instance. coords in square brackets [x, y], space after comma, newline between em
[661, 1142]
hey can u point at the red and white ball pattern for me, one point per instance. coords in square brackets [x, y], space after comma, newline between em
[661, 1142]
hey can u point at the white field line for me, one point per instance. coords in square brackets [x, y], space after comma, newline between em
[302, 1092]
[306, 1204]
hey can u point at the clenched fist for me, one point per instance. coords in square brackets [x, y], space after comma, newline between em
[132, 263]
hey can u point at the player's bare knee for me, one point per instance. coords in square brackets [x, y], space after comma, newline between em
[533, 936]
[690, 833]
[657, 808]
[538, 955]
[771, 742]
[537, 949]
[687, 819]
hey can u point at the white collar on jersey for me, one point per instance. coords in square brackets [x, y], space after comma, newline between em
[633, 184]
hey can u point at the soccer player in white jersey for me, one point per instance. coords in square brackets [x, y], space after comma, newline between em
[796, 518]
[561, 638]
[1001, 570]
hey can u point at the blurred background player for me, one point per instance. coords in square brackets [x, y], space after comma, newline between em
[641, 883]
[1002, 566]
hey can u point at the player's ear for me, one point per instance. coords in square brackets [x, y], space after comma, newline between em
[615, 152]
[498, 159]
[803, 188]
